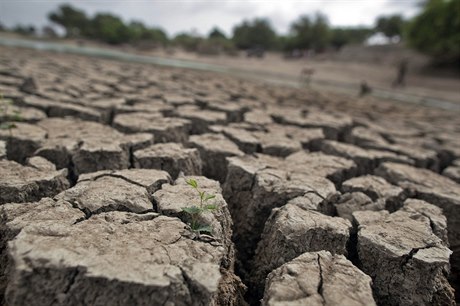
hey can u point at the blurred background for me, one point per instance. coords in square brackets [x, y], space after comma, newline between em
[409, 47]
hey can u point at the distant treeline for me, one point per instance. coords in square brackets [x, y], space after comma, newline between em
[435, 31]
[308, 32]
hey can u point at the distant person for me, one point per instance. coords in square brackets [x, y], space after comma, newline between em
[364, 89]
[402, 71]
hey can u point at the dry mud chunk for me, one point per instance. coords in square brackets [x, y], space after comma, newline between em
[201, 119]
[138, 141]
[24, 114]
[407, 262]
[165, 129]
[371, 139]
[12, 93]
[366, 138]
[56, 109]
[126, 190]
[356, 201]
[148, 106]
[366, 160]
[291, 231]
[214, 149]
[170, 157]
[452, 172]
[333, 125]
[254, 190]
[244, 139]
[390, 128]
[233, 110]
[258, 117]
[177, 100]
[86, 263]
[335, 168]
[10, 80]
[14, 217]
[22, 184]
[424, 158]
[310, 138]
[433, 188]
[318, 278]
[172, 198]
[9, 92]
[241, 174]
[277, 144]
[438, 221]
[90, 146]
[23, 140]
[40, 163]
[107, 107]
[376, 188]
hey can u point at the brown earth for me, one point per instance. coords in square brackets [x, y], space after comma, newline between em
[321, 198]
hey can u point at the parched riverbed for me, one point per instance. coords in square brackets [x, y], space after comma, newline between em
[321, 199]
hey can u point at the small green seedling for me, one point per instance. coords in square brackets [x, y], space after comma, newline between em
[196, 211]
[4, 106]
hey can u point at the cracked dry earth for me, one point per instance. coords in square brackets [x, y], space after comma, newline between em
[322, 200]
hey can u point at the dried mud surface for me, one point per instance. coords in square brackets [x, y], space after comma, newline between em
[321, 199]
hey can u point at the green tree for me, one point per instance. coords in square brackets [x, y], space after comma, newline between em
[189, 42]
[436, 31]
[311, 33]
[138, 32]
[216, 33]
[254, 33]
[74, 21]
[390, 26]
[343, 36]
[110, 29]
[24, 30]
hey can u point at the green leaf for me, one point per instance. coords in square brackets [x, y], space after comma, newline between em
[209, 197]
[192, 183]
[193, 210]
[201, 194]
[210, 207]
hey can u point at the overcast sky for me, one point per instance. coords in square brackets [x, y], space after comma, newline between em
[184, 15]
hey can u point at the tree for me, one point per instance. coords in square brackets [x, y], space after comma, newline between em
[24, 30]
[187, 41]
[256, 33]
[311, 33]
[138, 32]
[436, 31]
[74, 21]
[344, 36]
[390, 26]
[216, 33]
[110, 29]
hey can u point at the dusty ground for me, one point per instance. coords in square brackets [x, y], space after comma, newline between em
[340, 72]
[321, 199]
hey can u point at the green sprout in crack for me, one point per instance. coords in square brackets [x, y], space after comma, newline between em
[10, 119]
[196, 211]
